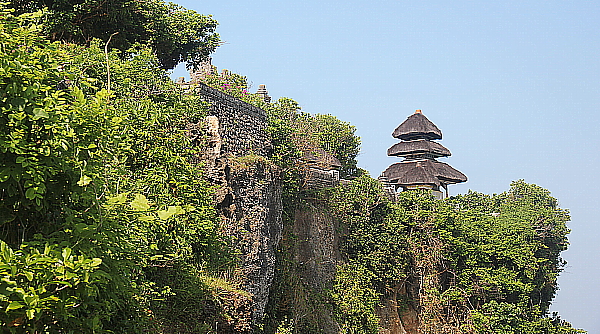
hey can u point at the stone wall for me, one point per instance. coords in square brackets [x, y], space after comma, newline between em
[242, 126]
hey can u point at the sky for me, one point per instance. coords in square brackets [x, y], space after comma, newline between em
[513, 85]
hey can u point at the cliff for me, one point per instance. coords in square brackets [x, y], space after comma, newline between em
[248, 198]
[292, 276]
[318, 257]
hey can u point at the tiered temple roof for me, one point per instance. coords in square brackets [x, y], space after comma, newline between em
[420, 169]
[417, 147]
[417, 126]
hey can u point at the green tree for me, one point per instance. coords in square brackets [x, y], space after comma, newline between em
[48, 284]
[100, 203]
[339, 138]
[176, 34]
[506, 252]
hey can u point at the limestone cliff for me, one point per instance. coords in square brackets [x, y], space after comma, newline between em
[353, 259]
[287, 265]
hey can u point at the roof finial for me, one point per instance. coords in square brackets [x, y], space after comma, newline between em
[418, 111]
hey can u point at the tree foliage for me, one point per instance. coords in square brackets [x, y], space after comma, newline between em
[506, 256]
[100, 203]
[176, 34]
[477, 263]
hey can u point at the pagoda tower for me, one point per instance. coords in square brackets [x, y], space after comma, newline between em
[420, 169]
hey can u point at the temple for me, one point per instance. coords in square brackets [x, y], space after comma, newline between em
[420, 169]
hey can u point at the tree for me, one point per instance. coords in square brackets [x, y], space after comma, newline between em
[47, 284]
[338, 138]
[176, 34]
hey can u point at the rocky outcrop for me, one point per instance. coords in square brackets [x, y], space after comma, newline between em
[317, 246]
[397, 312]
[250, 205]
[315, 252]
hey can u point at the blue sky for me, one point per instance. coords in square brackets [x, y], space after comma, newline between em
[513, 85]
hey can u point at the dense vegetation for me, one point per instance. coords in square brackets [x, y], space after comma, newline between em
[107, 227]
[174, 33]
[100, 205]
[471, 264]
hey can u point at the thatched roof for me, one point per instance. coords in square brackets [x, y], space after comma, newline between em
[448, 174]
[421, 172]
[417, 174]
[407, 148]
[417, 126]
[322, 159]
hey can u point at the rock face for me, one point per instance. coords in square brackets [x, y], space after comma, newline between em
[398, 313]
[249, 202]
[249, 188]
[251, 211]
[316, 251]
[317, 246]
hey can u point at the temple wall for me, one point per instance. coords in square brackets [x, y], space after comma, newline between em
[242, 126]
